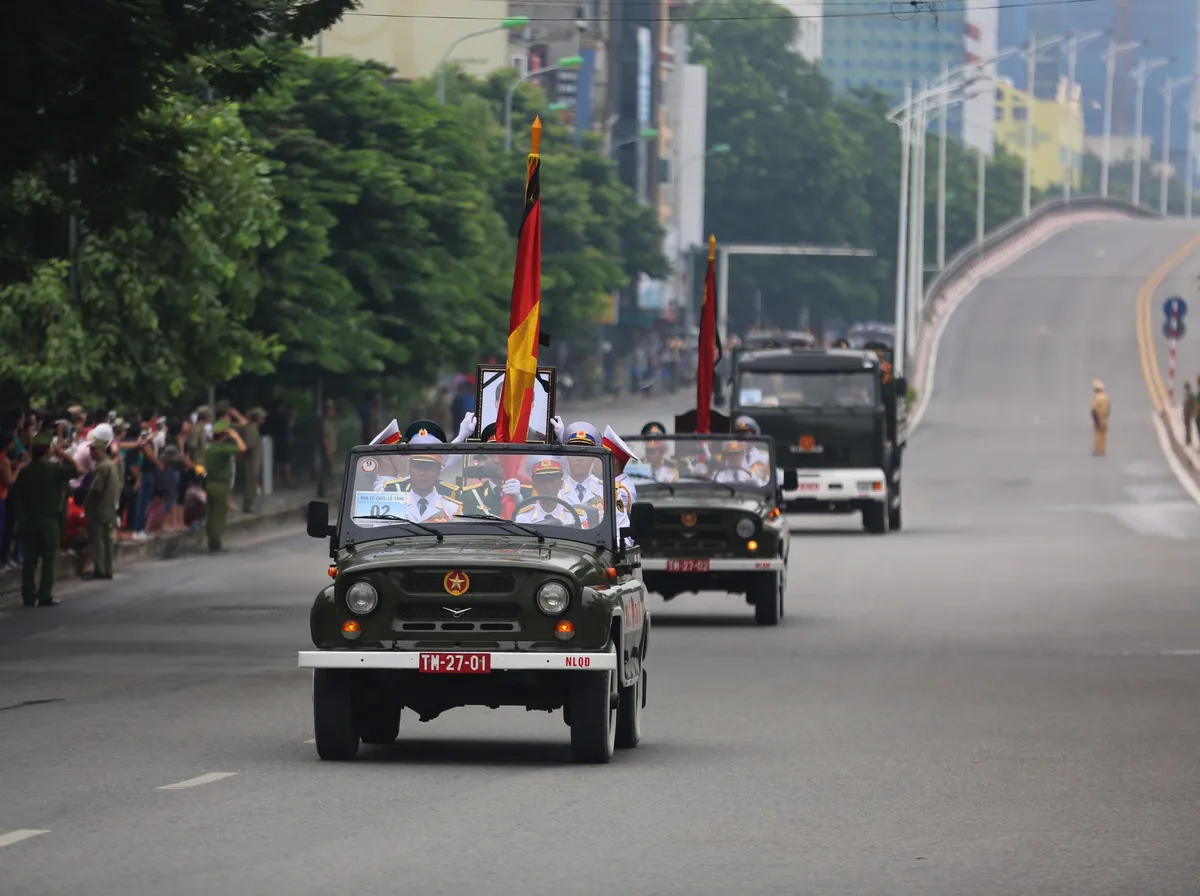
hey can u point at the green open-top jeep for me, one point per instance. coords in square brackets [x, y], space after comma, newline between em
[477, 575]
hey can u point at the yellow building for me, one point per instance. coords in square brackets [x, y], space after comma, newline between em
[411, 35]
[1057, 131]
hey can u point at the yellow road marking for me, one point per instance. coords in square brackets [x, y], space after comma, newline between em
[1145, 325]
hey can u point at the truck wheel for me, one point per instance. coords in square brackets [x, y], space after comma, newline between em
[629, 715]
[594, 702]
[875, 518]
[768, 599]
[333, 714]
[377, 723]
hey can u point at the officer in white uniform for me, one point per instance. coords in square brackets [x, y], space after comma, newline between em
[425, 500]
[736, 468]
[581, 486]
[755, 454]
[547, 475]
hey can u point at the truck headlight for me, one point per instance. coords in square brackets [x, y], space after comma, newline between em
[745, 528]
[552, 598]
[362, 598]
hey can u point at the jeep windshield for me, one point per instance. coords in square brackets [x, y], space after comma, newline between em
[548, 491]
[677, 462]
[824, 390]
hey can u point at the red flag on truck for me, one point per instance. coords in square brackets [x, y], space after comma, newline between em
[710, 344]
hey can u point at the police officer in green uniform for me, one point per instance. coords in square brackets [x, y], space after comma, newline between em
[219, 459]
[40, 493]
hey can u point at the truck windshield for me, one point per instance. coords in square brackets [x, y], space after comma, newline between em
[762, 389]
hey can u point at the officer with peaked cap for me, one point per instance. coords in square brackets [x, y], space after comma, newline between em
[654, 428]
[756, 455]
[581, 485]
[547, 476]
[427, 500]
[419, 436]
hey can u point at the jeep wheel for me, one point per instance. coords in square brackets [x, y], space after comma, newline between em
[594, 702]
[377, 723]
[629, 715]
[875, 517]
[333, 714]
[895, 520]
[767, 597]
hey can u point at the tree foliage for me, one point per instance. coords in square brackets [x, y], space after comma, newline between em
[84, 78]
[809, 166]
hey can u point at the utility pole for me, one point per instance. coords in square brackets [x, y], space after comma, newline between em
[1168, 92]
[1075, 43]
[1030, 74]
[1115, 51]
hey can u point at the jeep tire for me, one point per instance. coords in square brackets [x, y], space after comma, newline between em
[594, 705]
[333, 714]
[766, 595]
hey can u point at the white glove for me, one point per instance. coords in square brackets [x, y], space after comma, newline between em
[464, 429]
[560, 429]
[511, 487]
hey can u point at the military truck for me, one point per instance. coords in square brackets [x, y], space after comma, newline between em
[839, 420]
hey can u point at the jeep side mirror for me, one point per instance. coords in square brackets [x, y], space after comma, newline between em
[641, 520]
[318, 520]
[791, 481]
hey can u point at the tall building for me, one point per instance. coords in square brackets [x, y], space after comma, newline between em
[411, 36]
[809, 27]
[1057, 130]
[864, 48]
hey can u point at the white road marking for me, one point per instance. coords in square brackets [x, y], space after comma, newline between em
[17, 836]
[196, 782]
[1184, 477]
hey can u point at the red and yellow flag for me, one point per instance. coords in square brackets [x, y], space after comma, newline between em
[524, 320]
[710, 344]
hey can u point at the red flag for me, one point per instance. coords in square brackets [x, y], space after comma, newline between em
[524, 319]
[710, 344]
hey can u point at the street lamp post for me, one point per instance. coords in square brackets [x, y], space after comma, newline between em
[902, 228]
[1030, 72]
[1075, 43]
[646, 134]
[1115, 51]
[567, 62]
[508, 24]
[1140, 74]
[680, 267]
[1168, 92]
[943, 115]
[1191, 151]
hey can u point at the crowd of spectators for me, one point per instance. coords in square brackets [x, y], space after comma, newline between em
[159, 471]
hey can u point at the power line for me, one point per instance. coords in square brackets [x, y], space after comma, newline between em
[905, 10]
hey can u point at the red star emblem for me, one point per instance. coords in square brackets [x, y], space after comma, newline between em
[456, 583]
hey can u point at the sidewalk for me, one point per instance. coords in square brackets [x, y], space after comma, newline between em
[284, 508]
[1188, 454]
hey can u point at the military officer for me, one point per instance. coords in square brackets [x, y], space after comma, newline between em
[227, 445]
[427, 500]
[547, 475]
[1101, 411]
[40, 497]
[736, 468]
[756, 455]
[662, 468]
[250, 462]
[581, 485]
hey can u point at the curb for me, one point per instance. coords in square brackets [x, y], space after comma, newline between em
[942, 307]
[165, 547]
[1189, 459]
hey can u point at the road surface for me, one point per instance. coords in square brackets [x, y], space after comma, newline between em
[1002, 699]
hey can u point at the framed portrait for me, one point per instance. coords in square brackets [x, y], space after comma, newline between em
[489, 385]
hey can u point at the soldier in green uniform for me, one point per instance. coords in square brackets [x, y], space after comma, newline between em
[101, 508]
[198, 438]
[219, 461]
[251, 461]
[40, 493]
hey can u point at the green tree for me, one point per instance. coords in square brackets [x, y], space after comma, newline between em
[83, 75]
[163, 303]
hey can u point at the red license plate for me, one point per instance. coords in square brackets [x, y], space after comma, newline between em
[456, 663]
[810, 486]
[687, 566]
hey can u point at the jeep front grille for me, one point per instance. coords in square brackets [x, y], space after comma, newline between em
[414, 617]
[425, 581]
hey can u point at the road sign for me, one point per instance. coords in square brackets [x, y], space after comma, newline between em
[1175, 306]
[1180, 329]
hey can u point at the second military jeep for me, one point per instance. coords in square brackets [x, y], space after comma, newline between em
[447, 591]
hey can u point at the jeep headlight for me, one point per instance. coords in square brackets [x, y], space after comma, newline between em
[745, 528]
[552, 598]
[362, 598]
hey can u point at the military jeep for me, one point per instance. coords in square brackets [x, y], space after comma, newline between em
[447, 591]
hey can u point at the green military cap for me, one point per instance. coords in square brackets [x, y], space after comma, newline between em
[223, 407]
[220, 426]
[43, 438]
[257, 412]
[204, 411]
